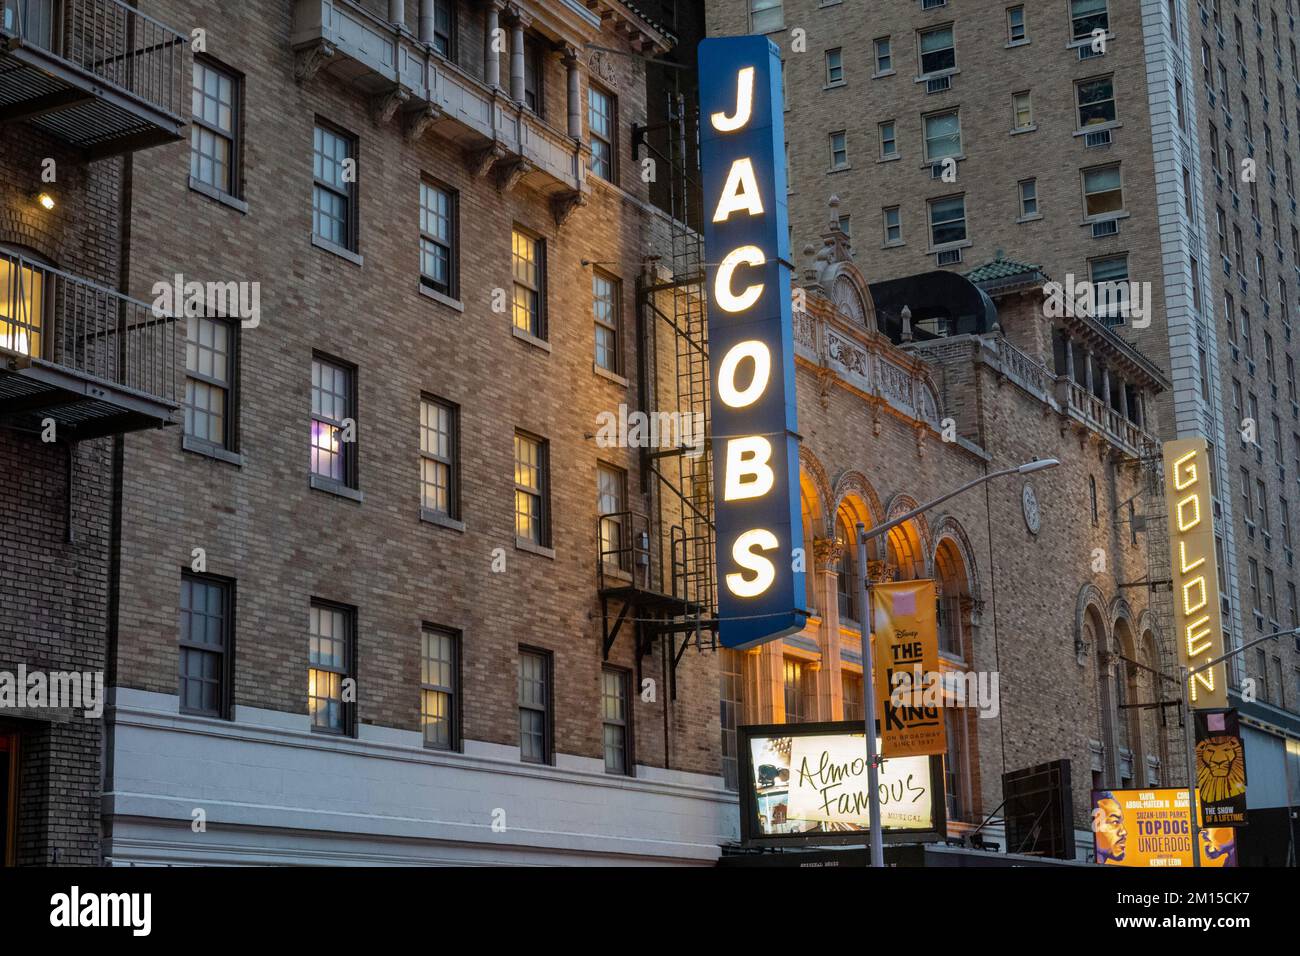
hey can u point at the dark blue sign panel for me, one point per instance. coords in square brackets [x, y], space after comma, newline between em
[751, 343]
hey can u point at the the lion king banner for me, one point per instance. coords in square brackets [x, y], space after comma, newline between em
[907, 651]
[1220, 768]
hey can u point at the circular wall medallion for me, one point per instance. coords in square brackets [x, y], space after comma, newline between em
[1029, 504]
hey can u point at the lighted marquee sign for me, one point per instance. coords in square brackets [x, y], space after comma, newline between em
[1199, 632]
[747, 247]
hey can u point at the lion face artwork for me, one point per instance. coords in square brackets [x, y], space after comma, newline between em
[1220, 768]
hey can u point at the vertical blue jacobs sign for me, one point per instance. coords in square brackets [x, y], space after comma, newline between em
[751, 347]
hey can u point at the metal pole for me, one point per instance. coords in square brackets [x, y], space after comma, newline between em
[1189, 738]
[869, 700]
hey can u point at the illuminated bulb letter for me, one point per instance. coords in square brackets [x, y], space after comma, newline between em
[1184, 477]
[1182, 559]
[748, 475]
[1198, 636]
[733, 397]
[743, 553]
[744, 104]
[722, 294]
[740, 192]
[1183, 523]
[1192, 605]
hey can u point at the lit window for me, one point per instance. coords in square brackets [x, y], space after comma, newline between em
[1028, 198]
[1096, 101]
[614, 714]
[531, 522]
[439, 688]
[947, 220]
[439, 493]
[534, 706]
[937, 51]
[335, 188]
[331, 658]
[333, 455]
[942, 136]
[22, 303]
[214, 131]
[205, 643]
[602, 126]
[209, 366]
[1102, 191]
[438, 263]
[529, 268]
[606, 305]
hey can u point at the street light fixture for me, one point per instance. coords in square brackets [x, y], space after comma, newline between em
[868, 672]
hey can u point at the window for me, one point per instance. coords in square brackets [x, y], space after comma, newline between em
[334, 195]
[1092, 499]
[534, 91]
[884, 56]
[439, 458]
[214, 134]
[209, 381]
[1087, 16]
[839, 150]
[614, 707]
[529, 268]
[1261, 500]
[937, 51]
[444, 27]
[888, 141]
[611, 505]
[1173, 20]
[1096, 101]
[22, 302]
[1284, 512]
[534, 706]
[846, 225]
[1270, 595]
[942, 136]
[800, 691]
[331, 656]
[834, 66]
[602, 126]
[1022, 110]
[1028, 198]
[532, 521]
[947, 220]
[606, 305]
[206, 644]
[440, 688]
[851, 690]
[333, 398]
[765, 16]
[438, 261]
[1102, 191]
[846, 581]
[893, 225]
[1016, 24]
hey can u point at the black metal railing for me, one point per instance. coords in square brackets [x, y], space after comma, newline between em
[111, 40]
[49, 315]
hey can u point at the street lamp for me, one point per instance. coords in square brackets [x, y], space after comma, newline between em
[868, 671]
[1189, 734]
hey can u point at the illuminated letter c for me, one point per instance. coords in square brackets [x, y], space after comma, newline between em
[722, 294]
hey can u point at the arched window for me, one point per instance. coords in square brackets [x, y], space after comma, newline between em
[23, 304]
[847, 582]
[904, 551]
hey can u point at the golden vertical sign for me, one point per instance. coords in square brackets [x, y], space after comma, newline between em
[907, 643]
[1198, 629]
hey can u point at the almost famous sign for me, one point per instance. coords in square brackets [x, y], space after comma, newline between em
[751, 348]
[1195, 570]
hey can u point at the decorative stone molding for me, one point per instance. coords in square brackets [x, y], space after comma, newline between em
[308, 61]
[415, 123]
[827, 553]
[512, 172]
[481, 161]
[385, 105]
[565, 205]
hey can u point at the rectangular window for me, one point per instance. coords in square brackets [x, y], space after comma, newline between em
[531, 489]
[602, 126]
[444, 28]
[611, 505]
[214, 133]
[438, 239]
[210, 381]
[884, 55]
[851, 690]
[1096, 101]
[942, 135]
[1022, 110]
[529, 269]
[947, 220]
[439, 457]
[888, 141]
[606, 304]
[333, 421]
[1087, 16]
[834, 66]
[440, 688]
[534, 62]
[1028, 198]
[334, 193]
[206, 644]
[1016, 24]
[534, 706]
[331, 655]
[937, 50]
[893, 225]
[1102, 191]
[800, 691]
[839, 150]
[615, 717]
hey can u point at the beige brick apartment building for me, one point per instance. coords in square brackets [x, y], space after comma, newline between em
[1105, 141]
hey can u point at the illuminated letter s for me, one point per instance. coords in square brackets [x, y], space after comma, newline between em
[742, 552]
[744, 104]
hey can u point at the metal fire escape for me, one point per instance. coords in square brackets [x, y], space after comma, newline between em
[673, 372]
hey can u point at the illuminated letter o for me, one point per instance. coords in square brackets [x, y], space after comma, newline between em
[733, 397]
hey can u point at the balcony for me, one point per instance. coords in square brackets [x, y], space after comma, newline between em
[399, 74]
[97, 75]
[93, 360]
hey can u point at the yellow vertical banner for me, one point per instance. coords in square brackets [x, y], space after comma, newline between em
[1198, 631]
[908, 690]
